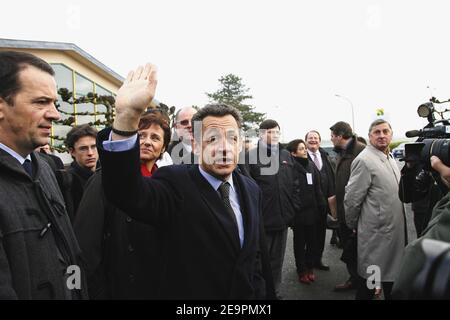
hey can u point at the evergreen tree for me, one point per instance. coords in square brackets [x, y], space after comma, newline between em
[234, 93]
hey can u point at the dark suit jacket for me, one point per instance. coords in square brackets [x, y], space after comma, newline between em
[343, 167]
[203, 257]
[122, 255]
[179, 154]
[327, 182]
[308, 198]
[72, 183]
[277, 185]
[54, 161]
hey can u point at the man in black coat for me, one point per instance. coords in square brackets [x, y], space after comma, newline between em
[39, 255]
[348, 148]
[272, 169]
[326, 168]
[211, 214]
[82, 147]
[54, 161]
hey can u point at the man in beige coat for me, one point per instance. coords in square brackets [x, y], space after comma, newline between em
[373, 208]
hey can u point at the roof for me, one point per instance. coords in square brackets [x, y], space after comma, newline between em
[61, 46]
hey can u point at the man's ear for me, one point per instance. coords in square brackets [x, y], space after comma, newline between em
[3, 105]
[71, 151]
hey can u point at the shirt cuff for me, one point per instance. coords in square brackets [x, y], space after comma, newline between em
[119, 145]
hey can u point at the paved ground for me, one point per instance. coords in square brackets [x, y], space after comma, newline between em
[322, 288]
[291, 289]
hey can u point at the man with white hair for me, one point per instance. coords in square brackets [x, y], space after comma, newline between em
[180, 149]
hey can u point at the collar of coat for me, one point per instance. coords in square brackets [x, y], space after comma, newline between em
[380, 154]
[10, 163]
[350, 150]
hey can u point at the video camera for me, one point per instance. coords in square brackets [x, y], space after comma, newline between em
[433, 139]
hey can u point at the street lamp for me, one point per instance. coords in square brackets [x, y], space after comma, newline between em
[351, 105]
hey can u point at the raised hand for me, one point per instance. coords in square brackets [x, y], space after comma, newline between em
[134, 97]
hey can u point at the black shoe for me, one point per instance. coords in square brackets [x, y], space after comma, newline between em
[322, 266]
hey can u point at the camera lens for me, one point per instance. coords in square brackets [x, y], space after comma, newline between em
[436, 147]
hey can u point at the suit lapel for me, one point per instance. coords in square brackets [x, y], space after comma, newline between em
[246, 198]
[217, 208]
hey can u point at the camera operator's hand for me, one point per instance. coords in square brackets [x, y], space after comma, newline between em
[442, 169]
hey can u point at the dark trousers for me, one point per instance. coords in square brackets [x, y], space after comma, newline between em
[320, 231]
[364, 293]
[276, 245]
[304, 247]
[349, 251]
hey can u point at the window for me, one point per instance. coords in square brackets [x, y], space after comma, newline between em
[64, 80]
[83, 86]
[76, 86]
[100, 91]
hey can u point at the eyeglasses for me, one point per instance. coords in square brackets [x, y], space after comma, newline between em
[84, 149]
[184, 122]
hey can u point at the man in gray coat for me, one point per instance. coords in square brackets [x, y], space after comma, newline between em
[39, 255]
[374, 210]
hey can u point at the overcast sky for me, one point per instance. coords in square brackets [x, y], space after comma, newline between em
[293, 55]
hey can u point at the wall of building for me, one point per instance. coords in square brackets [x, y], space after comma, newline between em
[73, 61]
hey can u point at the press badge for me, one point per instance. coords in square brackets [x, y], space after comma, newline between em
[309, 178]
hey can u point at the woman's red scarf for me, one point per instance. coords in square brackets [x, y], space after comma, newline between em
[145, 172]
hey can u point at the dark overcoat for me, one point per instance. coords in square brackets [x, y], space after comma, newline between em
[30, 266]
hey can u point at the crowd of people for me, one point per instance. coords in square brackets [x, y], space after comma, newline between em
[147, 213]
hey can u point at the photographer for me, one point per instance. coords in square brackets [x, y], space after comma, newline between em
[422, 189]
[419, 184]
[438, 229]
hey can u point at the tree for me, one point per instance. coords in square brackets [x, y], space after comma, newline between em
[233, 92]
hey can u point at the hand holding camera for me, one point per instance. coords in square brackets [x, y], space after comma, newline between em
[442, 169]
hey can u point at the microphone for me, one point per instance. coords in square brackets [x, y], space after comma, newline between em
[430, 133]
[413, 133]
